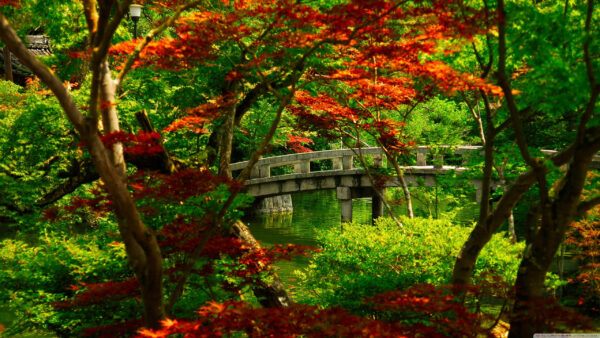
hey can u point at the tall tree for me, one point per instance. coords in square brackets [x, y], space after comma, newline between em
[565, 50]
[142, 248]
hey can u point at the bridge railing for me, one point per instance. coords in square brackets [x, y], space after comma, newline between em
[343, 159]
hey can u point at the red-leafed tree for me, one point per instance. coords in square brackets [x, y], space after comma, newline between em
[340, 69]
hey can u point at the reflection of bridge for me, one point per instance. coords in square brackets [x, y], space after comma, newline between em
[349, 182]
[352, 182]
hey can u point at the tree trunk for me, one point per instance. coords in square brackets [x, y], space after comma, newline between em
[110, 118]
[409, 206]
[465, 262]
[162, 161]
[483, 231]
[8, 74]
[555, 220]
[481, 234]
[530, 282]
[141, 246]
[226, 143]
[270, 294]
[226, 131]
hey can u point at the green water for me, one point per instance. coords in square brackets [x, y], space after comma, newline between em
[314, 210]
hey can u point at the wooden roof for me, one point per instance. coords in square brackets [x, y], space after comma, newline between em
[38, 45]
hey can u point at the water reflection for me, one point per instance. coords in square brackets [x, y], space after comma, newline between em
[281, 222]
[312, 211]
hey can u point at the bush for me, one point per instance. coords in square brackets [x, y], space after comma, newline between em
[35, 278]
[363, 260]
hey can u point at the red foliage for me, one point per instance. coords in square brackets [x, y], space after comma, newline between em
[422, 311]
[365, 35]
[196, 35]
[218, 319]
[328, 117]
[584, 235]
[51, 214]
[436, 311]
[13, 3]
[143, 143]
[202, 114]
[119, 329]
[98, 205]
[179, 186]
[174, 188]
[295, 143]
[95, 293]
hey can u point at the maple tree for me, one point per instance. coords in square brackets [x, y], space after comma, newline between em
[583, 235]
[342, 69]
[517, 67]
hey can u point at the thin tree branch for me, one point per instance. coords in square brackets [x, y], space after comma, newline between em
[586, 205]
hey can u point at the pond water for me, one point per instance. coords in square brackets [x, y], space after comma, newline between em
[312, 211]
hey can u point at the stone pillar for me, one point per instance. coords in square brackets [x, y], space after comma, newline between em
[421, 157]
[264, 170]
[377, 206]
[347, 162]
[346, 210]
[378, 160]
[255, 173]
[344, 194]
[337, 163]
[259, 171]
[438, 161]
[273, 205]
[302, 167]
[478, 190]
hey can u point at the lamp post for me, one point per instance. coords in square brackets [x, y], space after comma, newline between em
[135, 11]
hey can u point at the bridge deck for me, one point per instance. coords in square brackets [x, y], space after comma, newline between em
[263, 184]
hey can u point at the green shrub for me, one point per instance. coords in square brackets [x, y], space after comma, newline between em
[363, 260]
[35, 277]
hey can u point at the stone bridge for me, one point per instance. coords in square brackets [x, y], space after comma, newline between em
[351, 182]
[348, 181]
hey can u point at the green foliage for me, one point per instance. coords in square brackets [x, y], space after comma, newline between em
[364, 260]
[441, 122]
[37, 148]
[34, 277]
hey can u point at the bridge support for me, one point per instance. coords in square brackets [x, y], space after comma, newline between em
[346, 194]
[273, 204]
[376, 207]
